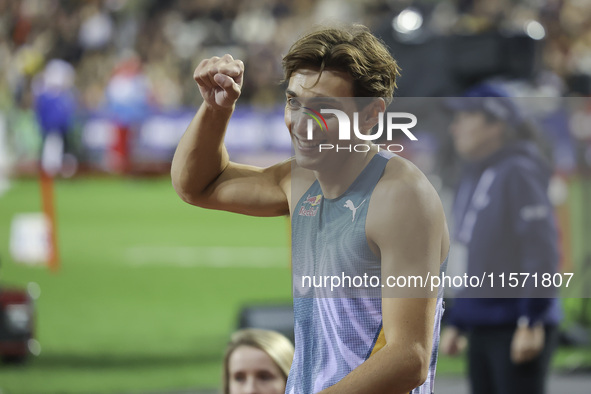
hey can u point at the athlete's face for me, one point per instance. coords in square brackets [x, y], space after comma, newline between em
[474, 137]
[305, 89]
[252, 371]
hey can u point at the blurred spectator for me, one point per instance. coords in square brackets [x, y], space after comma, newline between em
[128, 98]
[55, 106]
[96, 29]
[169, 37]
[503, 223]
[128, 93]
[257, 361]
[172, 35]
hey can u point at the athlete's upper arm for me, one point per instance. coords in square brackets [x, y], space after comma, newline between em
[249, 190]
[408, 228]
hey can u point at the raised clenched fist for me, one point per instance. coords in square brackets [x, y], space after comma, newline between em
[220, 80]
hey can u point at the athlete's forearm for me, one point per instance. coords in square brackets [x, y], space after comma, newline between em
[201, 156]
[395, 369]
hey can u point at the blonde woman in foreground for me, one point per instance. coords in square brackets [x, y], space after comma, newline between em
[257, 361]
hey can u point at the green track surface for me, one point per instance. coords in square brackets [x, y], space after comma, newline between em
[128, 311]
[109, 323]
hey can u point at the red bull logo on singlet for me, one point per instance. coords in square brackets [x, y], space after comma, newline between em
[310, 205]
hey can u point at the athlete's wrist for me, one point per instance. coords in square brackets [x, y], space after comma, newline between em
[215, 109]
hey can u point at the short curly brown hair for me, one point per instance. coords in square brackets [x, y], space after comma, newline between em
[352, 49]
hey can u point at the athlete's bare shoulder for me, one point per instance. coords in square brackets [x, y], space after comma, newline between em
[404, 195]
[402, 176]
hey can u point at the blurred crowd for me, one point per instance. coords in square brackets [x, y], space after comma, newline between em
[163, 41]
[125, 60]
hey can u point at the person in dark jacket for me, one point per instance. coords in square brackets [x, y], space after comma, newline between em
[504, 223]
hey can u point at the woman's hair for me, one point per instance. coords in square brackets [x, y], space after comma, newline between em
[352, 49]
[278, 347]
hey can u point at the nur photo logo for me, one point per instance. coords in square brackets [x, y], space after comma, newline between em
[394, 122]
[317, 117]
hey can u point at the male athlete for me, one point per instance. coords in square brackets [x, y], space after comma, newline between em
[352, 212]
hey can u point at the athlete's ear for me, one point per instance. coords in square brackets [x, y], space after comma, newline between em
[370, 115]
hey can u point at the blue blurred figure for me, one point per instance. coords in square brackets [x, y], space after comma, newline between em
[503, 222]
[55, 107]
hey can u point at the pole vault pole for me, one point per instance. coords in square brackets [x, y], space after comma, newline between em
[47, 202]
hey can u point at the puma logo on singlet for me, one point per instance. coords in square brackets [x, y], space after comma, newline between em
[349, 204]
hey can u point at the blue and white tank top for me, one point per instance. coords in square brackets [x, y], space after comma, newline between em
[336, 331]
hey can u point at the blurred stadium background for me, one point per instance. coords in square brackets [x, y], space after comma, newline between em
[149, 289]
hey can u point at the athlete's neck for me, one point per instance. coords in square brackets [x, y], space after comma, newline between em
[336, 179]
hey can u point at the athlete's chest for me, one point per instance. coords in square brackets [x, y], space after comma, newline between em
[330, 231]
